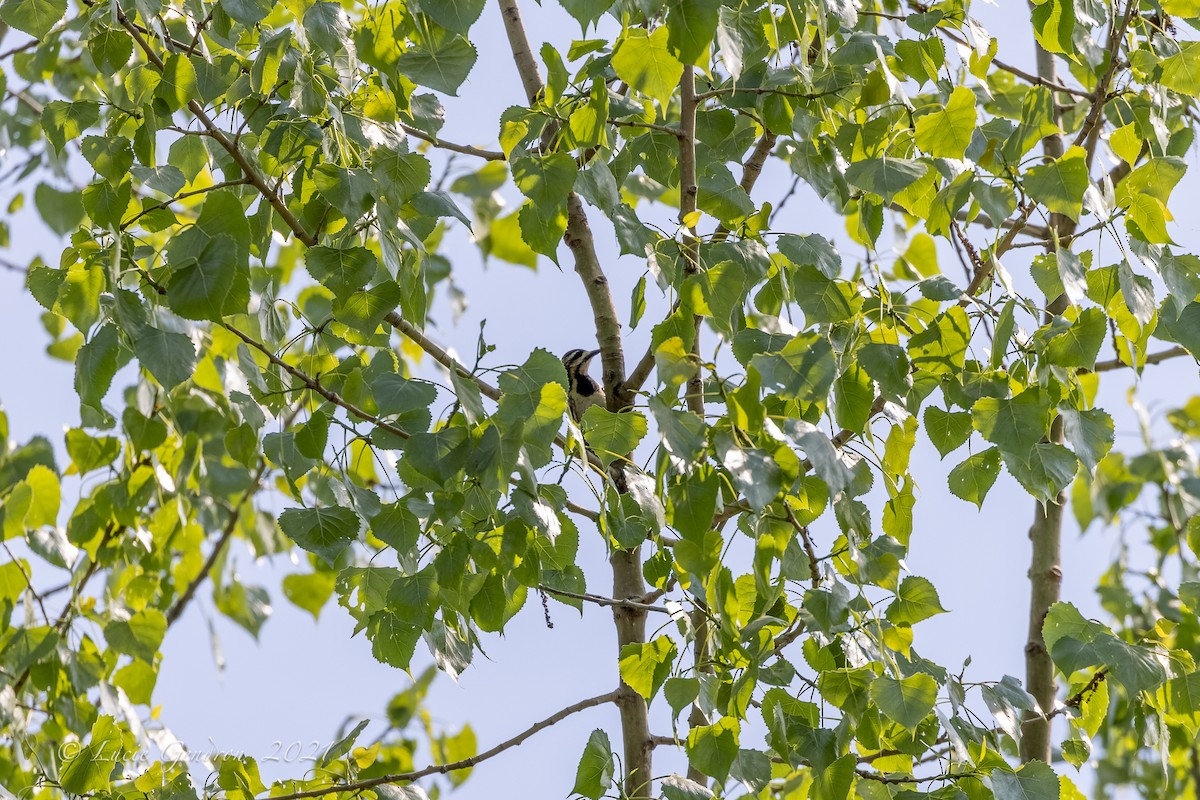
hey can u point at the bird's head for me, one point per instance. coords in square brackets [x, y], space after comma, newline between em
[578, 360]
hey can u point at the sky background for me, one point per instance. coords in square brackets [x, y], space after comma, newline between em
[289, 692]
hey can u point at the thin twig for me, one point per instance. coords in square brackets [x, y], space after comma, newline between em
[600, 600]
[68, 611]
[1076, 700]
[1153, 358]
[487, 155]
[28, 582]
[455, 766]
[440, 354]
[177, 609]
[312, 383]
[182, 196]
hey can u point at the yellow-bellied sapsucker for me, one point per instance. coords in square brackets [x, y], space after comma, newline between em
[582, 392]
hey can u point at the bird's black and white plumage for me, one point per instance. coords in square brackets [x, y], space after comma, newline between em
[583, 391]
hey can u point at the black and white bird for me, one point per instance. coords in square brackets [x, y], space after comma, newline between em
[583, 391]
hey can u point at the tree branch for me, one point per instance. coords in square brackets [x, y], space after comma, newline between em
[688, 191]
[487, 155]
[180, 605]
[1075, 700]
[68, 610]
[751, 171]
[181, 196]
[439, 354]
[197, 110]
[1153, 358]
[312, 384]
[177, 609]
[455, 766]
[600, 600]
[626, 564]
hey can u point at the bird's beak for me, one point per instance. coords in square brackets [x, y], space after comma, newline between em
[592, 354]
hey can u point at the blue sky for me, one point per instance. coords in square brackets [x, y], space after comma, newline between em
[288, 692]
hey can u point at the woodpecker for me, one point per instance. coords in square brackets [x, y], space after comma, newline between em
[582, 391]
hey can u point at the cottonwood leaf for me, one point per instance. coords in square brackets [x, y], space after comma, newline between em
[326, 531]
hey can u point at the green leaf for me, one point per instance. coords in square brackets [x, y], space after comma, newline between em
[586, 12]
[754, 472]
[326, 531]
[105, 202]
[812, 250]
[364, 309]
[63, 122]
[644, 666]
[406, 401]
[885, 176]
[835, 781]
[438, 456]
[713, 748]
[110, 48]
[1015, 425]
[644, 61]
[328, 27]
[312, 436]
[392, 641]
[139, 636]
[945, 133]
[414, 598]
[441, 65]
[170, 357]
[542, 227]
[88, 453]
[721, 195]
[612, 436]
[824, 300]
[1138, 293]
[596, 767]
[109, 156]
[95, 366]
[691, 25]
[199, 287]
[61, 211]
[804, 369]
[178, 81]
[454, 15]
[1184, 694]
[1078, 346]
[1033, 781]
[32, 503]
[504, 241]
[941, 349]
[1060, 185]
[677, 787]
[90, 767]
[916, 600]
[35, 17]
[854, 396]
[973, 478]
[1090, 434]
[401, 177]
[146, 433]
[948, 430]
[1181, 70]
[343, 271]
[1046, 471]
[309, 591]
[888, 365]
[1053, 25]
[906, 701]
[248, 606]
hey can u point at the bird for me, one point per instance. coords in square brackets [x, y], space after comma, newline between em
[583, 391]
